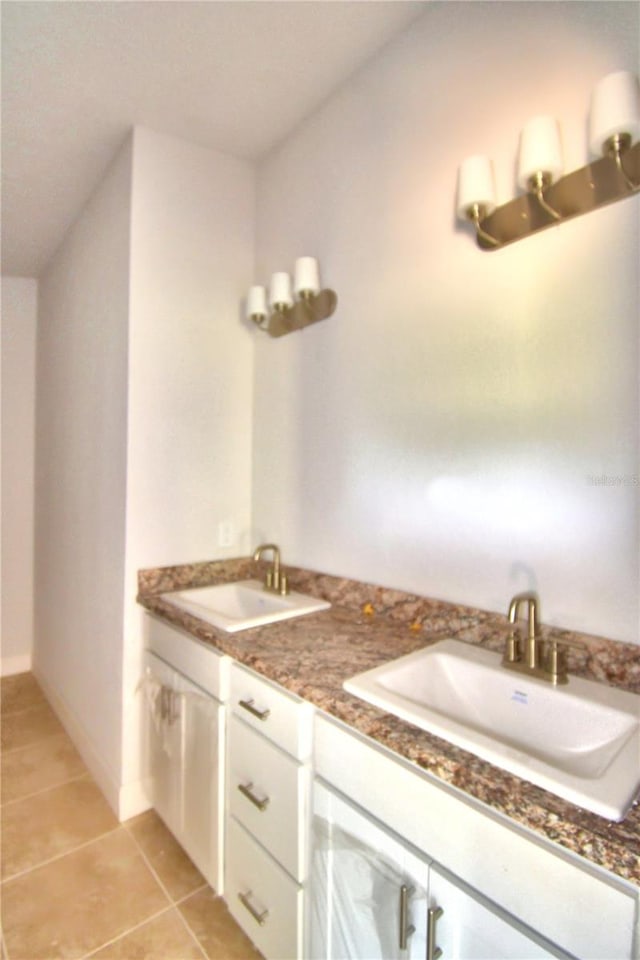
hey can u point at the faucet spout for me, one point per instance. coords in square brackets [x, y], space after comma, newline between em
[274, 580]
[533, 629]
[544, 660]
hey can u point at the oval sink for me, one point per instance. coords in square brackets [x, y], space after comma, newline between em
[580, 741]
[241, 605]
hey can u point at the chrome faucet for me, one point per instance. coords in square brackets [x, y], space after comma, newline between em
[541, 659]
[275, 580]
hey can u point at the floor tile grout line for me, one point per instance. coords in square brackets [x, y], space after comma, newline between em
[191, 932]
[54, 786]
[32, 706]
[205, 886]
[192, 893]
[129, 930]
[173, 902]
[5, 751]
[59, 856]
[57, 734]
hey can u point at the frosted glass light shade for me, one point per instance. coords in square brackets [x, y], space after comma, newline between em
[306, 275]
[280, 290]
[615, 109]
[257, 302]
[540, 150]
[476, 185]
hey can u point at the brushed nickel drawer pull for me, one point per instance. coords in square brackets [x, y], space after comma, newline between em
[433, 914]
[247, 791]
[260, 714]
[406, 928]
[260, 918]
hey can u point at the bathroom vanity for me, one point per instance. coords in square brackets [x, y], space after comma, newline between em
[338, 830]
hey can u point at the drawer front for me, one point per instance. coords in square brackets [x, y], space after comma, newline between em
[199, 662]
[273, 711]
[263, 899]
[268, 793]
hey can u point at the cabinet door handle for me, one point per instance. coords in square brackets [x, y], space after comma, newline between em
[433, 914]
[406, 928]
[175, 701]
[169, 704]
[260, 714]
[260, 918]
[247, 791]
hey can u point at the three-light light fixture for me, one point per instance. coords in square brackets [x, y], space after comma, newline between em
[549, 196]
[288, 307]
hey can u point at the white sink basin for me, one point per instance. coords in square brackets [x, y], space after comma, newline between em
[580, 741]
[238, 606]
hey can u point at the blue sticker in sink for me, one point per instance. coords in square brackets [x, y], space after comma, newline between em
[520, 697]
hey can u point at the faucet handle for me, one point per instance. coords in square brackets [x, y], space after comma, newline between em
[556, 663]
[513, 647]
[561, 642]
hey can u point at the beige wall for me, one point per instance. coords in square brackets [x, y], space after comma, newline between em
[19, 319]
[144, 424]
[190, 376]
[81, 473]
[442, 431]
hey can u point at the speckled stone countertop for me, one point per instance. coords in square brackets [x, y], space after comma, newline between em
[366, 626]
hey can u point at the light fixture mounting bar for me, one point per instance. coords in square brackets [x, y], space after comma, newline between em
[599, 183]
[310, 309]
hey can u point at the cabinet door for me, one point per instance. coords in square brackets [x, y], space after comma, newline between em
[163, 741]
[463, 925]
[203, 720]
[368, 889]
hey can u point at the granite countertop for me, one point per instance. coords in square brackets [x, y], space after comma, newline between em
[366, 626]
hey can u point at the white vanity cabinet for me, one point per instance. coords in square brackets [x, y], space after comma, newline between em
[368, 889]
[185, 685]
[268, 780]
[335, 847]
[374, 895]
[462, 923]
[503, 891]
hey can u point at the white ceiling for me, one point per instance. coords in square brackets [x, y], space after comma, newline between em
[236, 75]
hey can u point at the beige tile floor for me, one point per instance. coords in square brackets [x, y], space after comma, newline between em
[75, 883]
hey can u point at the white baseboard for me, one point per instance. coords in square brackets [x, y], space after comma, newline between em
[126, 800]
[11, 665]
[103, 776]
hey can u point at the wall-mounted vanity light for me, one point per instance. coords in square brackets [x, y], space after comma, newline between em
[477, 193]
[283, 312]
[540, 159]
[549, 195]
[614, 119]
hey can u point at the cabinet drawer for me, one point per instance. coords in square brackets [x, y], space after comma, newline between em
[273, 711]
[263, 899]
[268, 793]
[199, 662]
